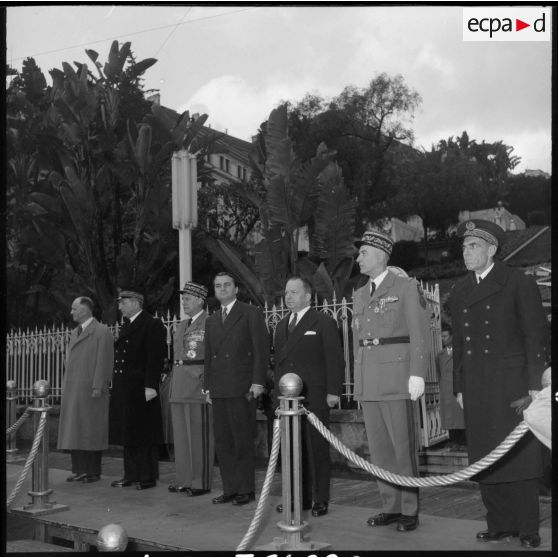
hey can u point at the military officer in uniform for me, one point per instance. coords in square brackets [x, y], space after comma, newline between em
[192, 420]
[500, 349]
[391, 354]
[135, 412]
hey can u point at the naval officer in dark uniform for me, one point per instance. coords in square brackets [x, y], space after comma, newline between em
[135, 411]
[500, 349]
[390, 337]
[192, 421]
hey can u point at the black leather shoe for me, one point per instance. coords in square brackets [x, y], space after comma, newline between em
[178, 488]
[196, 491]
[223, 498]
[319, 508]
[91, 478]
[495, 536]
[122, 483]
[241, 499]
[530, 541]
[407, 523]
[76, 477]
[144, 485]
[383, 519]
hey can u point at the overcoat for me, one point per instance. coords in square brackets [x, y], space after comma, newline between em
[236, 352]
[313, 351]
[451, 414]
[140, 351]
[396, 309]
[83, 423]
[189, 346]
[500, 349]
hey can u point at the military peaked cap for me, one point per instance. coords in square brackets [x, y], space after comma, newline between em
[130, 294]
[194, 289]
[487, 230]
[376, 239]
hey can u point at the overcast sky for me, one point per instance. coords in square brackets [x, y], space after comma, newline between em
[236, 63]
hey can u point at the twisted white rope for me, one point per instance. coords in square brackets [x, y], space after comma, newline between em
[440, 480]
[18, 422]
[30, 458]
[256, 520]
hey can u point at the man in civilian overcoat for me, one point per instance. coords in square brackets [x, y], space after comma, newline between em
[391, 347]
[192, 422]
[83, 424]
[236, 362]
[500, 349]
[307, 343]
[135, 410]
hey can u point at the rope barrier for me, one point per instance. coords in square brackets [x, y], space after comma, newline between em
[30, 458]
[256, 520]
[440, 480]
[19, 422]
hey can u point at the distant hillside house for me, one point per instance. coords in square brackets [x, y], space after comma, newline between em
[498, 214]
[536, 172]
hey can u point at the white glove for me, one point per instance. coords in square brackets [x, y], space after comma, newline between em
[256, 390]
[416, 387]
[150, 393]
[459, 398]
[332, 400]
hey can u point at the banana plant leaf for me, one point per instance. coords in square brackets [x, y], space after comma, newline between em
[272, 262]
[232, 262]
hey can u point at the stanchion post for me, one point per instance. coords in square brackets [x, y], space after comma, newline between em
[40, 492]
[292, 525]
[11, 411]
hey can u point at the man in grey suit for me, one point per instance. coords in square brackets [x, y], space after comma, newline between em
[236, 362]
[83, 425]
[192, 422]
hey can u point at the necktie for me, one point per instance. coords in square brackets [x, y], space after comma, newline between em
[79, 330]
[479, 279]
[224, 314]
[292, 323]
[189, 323]
[372, 288]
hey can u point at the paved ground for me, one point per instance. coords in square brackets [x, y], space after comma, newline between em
[450, 516]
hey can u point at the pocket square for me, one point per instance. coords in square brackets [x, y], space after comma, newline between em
[309, 332]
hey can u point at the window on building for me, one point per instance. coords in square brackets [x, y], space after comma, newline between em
[221, 162]
[227, 166]
[243, 173]
[239, 171]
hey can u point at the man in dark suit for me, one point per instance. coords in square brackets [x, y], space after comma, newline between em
[500, 349]
[236, 361]
[135, 411]
[307, 343]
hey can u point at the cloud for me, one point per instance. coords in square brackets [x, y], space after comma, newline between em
[240, 107]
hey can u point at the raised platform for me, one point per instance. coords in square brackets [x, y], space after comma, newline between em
[156, 520]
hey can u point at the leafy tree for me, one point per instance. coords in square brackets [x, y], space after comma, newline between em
[99, 194]
[370, 130]
[529, 194]
[290, 194]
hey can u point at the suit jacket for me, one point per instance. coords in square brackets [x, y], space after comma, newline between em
[189, 345]
[236, 352]
[396, 309]
[140, 351]
[451, 414]
[313, 351]
[500, 349]
[83, 423]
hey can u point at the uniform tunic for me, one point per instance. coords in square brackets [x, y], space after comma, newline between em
[191, 415]
[140, 351]
[500, 349]
[381, 379]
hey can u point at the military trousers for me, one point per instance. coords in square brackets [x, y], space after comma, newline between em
[390, 430]
[194, 446]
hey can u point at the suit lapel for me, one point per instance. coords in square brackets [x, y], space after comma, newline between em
[132, 326]
[306, 323]
[221, 329]
[75, 339]
[383, 288]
